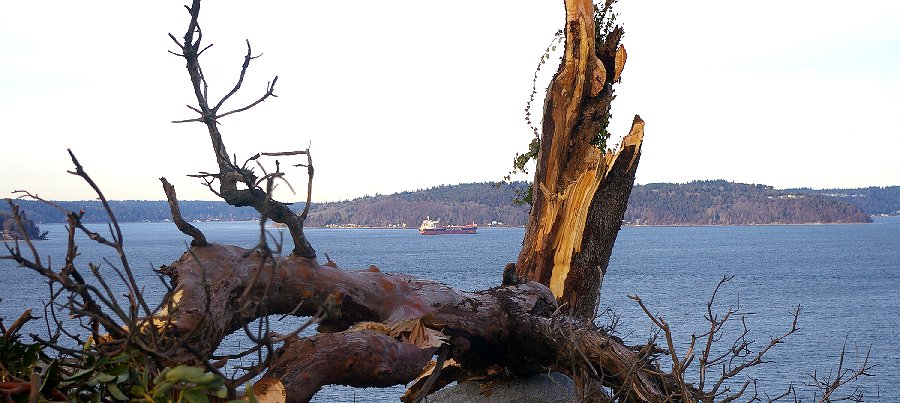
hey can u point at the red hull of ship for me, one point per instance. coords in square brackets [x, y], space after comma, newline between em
[465, 229]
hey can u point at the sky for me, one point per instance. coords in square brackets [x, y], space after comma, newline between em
[405, 95]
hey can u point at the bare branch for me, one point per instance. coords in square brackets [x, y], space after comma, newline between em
[285, 153]
[270, 92]
[186, 228]
[237, 85]
[842, 376]
[230, 175]
[310, 171]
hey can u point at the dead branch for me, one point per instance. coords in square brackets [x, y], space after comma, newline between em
[732, 362]
[833, 381]
[186, 228]
[230, 175]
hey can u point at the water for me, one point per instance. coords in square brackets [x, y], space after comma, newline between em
[846, 278]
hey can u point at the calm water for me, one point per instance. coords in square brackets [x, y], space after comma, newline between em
[846, 278]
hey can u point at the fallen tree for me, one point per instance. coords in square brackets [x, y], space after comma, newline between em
[380, 329]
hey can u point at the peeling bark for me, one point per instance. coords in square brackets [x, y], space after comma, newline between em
[580, 191]
[358, 358]
[515, 327]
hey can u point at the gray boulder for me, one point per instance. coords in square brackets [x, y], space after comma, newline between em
[543, 388]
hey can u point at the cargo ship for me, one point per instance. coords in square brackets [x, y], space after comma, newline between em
[430, 227]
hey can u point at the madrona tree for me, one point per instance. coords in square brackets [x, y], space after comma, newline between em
[380, 329]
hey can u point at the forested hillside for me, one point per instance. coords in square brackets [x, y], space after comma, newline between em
[136, 211]
[481, 203]
[696, 203]
[873, 200]
[720, 202]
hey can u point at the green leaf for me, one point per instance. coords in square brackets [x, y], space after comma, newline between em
[122, 378]
[145, 376]
[196, 394]
[117, 370]
[163, 388]
[84, 373]
[222, 392]
[102, 361]
[50, 377]
[251, 397]
[115, 392]
[104, 378]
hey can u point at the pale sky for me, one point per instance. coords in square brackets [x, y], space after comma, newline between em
[401, 95]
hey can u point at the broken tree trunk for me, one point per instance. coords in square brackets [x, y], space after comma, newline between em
[580, 191]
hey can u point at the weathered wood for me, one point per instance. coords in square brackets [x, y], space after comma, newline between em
[578, 202]
[590, 259]
[354, 358]
[374, 332]
[185, 227]
[232, 177]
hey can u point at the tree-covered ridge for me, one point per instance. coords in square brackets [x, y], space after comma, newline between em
[718, 202]
[715, 202]
[873, 200]
[136, 211]
[481, 203]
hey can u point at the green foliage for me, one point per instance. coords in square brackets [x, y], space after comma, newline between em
[600, 138]
[194, 383]
[521, 160]
[99, 377]
[520, 164]
[525, 196]
[17, 357]
[127, 377]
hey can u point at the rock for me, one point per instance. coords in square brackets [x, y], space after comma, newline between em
[543, 388]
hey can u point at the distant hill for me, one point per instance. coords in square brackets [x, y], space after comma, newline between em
[719, 202]
[481, 203]
[873, 200]
[715, 202]
[135, 211]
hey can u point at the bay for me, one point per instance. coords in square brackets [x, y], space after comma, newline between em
[845, 278]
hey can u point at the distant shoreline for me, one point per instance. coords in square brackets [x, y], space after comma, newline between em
[499, 226]
[698, 203]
